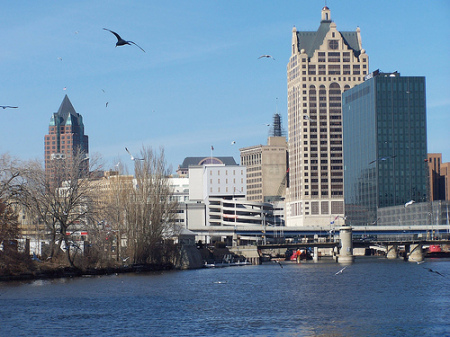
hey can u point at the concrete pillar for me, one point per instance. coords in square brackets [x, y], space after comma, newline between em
[235, 240]
[415, 253]
[346, 251]
[392, 252]
[316, 254]
[335, 253]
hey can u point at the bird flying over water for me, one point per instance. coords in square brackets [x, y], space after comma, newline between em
[122, 42]
[266, 56]
[341, 271]
[433, 271]
[8, 107]
[279, 263]
[133, 158]
[409, 203]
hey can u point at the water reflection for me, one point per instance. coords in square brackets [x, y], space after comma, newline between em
[370, 297]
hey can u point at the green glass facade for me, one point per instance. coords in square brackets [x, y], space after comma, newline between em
[385, 145]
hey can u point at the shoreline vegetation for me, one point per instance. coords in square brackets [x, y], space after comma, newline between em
[19, 266]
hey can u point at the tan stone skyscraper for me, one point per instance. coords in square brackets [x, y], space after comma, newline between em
[323, 64]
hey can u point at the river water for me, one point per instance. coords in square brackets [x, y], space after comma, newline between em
[371, 297]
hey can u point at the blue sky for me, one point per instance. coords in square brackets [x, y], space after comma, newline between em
[200, 82]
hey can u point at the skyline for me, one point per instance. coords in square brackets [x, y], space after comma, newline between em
[201, 81]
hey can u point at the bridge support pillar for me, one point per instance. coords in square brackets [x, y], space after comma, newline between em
[415, 253]
[392, 252]
[316, 254]
[346, 251]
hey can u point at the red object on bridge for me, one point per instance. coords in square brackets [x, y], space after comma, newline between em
[434, 249]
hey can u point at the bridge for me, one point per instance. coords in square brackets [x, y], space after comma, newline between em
[257, 231]
[342, 241]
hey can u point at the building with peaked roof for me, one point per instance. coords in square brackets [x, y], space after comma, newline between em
[65, 135]
[323, 64]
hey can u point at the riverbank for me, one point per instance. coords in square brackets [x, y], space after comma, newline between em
[28, 268]
[53, 272]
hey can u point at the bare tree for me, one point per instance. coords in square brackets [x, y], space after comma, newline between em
[10, 186]
[64, 198]
[150, 213]
[116, 198]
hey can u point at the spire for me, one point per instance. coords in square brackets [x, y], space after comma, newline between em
[294, 41]
[66, 107]
[67, 114]
[326, 14]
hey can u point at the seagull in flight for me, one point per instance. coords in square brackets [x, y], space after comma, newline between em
[409, 203]
[122, 42]
[233, 142]
[132, 158]
[308, 118]
[266, 56]
[382, 159]
[433, 271]
[341, 271]
[8, 107]
[279, 263]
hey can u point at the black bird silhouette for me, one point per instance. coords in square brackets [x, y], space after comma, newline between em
[8, 107]
[122, 42]
[433, 271]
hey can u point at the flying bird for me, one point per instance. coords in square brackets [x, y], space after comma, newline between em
[233, 142]
[132, 158]
[8, 107]
[266, 56]
[409, 203]
[341, 271]
[308, 118]
[279, 263]
[107, 104]
[382, 159]
[433, 271]
[122, 42]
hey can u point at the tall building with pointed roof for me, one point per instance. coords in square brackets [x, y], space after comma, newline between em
[65, 134]
[323, 64]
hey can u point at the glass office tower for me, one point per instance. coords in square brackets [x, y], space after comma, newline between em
[385, 145]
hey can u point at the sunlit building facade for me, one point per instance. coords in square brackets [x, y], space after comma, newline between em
[323, 64]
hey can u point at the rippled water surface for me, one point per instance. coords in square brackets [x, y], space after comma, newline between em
[372, 297]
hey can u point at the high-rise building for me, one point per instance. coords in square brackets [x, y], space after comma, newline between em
[439, 175]
[323, 65]
[267, 166]
[66, 136]
[385, 145]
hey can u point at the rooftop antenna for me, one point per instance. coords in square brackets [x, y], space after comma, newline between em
[276, 129]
